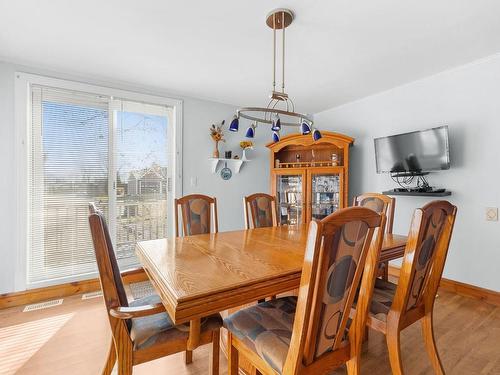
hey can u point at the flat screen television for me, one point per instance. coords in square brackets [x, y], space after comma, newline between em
[414, 152]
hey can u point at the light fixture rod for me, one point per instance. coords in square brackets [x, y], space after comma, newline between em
[274, 52]
[278, 19]
[248, 113]
[283, 52]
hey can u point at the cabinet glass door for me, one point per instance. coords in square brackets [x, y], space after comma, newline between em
[290, 196]
[326, 194]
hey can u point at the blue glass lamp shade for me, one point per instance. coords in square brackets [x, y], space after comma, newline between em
[276, 125]
[250, 131]
[316, 134]
[305, 128]
[276, 136]
[235, 122]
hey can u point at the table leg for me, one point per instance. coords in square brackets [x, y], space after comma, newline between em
[194, 334]
[385, 274]
[188, 357]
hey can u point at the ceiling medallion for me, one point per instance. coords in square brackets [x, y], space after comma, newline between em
[280, 110]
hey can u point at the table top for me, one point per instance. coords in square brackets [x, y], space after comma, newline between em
[199, 275]
[393, 247]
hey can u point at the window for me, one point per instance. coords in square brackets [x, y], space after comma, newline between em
[87, 146]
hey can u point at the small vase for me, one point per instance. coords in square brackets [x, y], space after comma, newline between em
[244, 156]
[215, 154]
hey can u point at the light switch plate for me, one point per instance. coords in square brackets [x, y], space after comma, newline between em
[491, 213]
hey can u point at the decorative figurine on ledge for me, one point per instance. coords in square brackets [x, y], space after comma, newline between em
[246, 145]
[217, 134]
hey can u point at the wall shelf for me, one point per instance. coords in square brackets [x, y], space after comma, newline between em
[418, 194]
[233, 164]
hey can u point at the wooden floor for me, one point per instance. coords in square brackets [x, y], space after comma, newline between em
[73, 339]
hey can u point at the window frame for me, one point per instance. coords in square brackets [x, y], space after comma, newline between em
[22, 96]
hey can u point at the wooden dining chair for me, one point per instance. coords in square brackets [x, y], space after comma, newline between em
[142, 330]
[382, 204]
[197, 211]
[312, 333]
[395, 307]
[261, 208]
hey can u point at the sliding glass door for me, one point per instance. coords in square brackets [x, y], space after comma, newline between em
[86, 148]
[139, 176]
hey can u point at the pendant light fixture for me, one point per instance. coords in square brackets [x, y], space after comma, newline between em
[251, 130]
[305, 128]
[280, 110]
[235, 123]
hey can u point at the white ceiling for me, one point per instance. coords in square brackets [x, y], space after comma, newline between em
[337, 51]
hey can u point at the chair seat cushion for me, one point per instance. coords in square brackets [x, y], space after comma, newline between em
[383, 295]
[156, 329]
[266, 328]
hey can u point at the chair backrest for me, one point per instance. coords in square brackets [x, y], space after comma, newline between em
[341, 250]
[262, 210]
[196, 214]
[379, 203]
[109, 273]
[425, 256]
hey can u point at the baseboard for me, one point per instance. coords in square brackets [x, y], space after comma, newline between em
[63, 290]
[486, 295]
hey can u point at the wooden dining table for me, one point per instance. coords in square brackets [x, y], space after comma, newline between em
[196, 276]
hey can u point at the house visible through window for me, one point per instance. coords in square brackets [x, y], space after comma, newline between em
[93, 148]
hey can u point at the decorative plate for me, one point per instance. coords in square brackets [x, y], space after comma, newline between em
[226, 173]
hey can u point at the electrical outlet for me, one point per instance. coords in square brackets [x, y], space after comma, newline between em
[491, 213]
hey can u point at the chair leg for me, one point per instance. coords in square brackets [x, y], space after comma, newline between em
[353, 366]
[232, 357]
[393, 345]
[188, 357]
[125, 364]
[214, 357]
[358, 338]
[430, 343]
[110, 361]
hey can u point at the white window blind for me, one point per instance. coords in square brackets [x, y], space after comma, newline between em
[92, 148]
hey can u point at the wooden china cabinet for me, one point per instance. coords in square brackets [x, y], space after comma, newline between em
[309, 179]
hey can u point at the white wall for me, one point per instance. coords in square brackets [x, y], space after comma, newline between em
[197, 147]
[468, 100]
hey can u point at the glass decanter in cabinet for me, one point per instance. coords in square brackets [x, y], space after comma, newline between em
[326, 193]
[290, 197]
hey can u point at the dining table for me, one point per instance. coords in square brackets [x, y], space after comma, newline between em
[199, 275]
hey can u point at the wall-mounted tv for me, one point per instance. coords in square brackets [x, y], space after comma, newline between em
[415, 152]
